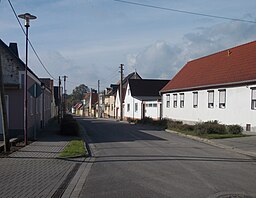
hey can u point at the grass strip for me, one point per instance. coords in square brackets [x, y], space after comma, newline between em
[75, 148]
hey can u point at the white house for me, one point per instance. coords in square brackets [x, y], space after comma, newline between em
[117, 105]
[221, 86]
[142, 98]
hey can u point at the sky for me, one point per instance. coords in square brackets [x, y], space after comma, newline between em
[87, 40]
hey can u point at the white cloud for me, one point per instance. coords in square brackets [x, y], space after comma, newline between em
[163, 59]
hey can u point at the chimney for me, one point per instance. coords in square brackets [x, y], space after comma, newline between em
[14, 48]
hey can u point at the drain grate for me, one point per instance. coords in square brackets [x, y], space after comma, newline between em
[59, 192]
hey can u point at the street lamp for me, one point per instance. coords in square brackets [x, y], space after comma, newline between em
[27, 17]
[43, 108]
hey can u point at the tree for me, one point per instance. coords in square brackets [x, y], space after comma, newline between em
[79, 92]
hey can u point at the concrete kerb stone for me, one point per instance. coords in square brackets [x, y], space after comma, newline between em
[206, 141]
[75, 187]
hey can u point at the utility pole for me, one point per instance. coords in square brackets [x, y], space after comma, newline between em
[59, 101]
[99, 110]
[121, 91]
[65, 93]
[4, 112]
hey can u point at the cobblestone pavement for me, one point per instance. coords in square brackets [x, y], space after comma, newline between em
[36, 170]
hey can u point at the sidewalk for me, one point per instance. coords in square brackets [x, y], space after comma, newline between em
[36, 170]
[242, 145]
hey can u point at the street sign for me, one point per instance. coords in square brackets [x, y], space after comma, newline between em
[35, 90]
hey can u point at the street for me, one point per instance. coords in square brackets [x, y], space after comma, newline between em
[142, 161]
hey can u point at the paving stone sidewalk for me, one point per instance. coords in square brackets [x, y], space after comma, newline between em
[36, 170]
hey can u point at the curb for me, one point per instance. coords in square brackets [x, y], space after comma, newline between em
[209, 142]
[75, 187]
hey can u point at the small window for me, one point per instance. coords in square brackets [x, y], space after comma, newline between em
[154, 105]
[222, 99]
[210, 99]
[136, 107]
[175, 100]
[195, 99]
[150, 104]
[31, 105]
[254, 98]
[168, 100]
[112, 107]
[182, 100]
[128, 107]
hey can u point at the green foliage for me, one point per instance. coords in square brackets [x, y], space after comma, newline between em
[69, 126]
[234, 129]
[79, 92]
[211, 127]
[146, 120]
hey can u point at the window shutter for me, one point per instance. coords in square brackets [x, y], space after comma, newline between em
[210, 97]
[195, 98]
[181, 97]
[174, 97]
[254, 94]
[222, 96]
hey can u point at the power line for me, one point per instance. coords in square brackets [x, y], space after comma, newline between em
[184, 11]
[39, 59]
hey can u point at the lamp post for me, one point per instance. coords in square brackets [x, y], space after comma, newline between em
[27, 17]
[43, 107]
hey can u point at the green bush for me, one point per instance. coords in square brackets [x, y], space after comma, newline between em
[234, 129]
[69, 126]
[210, 127]
[171, 124]
[146, 120]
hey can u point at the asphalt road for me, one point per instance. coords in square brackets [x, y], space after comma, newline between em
[141, 161]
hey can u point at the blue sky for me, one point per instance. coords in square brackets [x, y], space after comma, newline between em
[88, 39]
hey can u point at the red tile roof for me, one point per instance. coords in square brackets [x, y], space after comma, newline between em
[235, 65]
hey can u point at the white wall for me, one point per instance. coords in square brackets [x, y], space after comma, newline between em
[152, 109]
[132, 101]
[117, 104]
[237, 111]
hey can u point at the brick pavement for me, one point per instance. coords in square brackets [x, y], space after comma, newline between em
[36, 170]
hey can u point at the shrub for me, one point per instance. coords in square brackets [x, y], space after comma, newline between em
[146, 120]
[69, 126]
[210, 127]
[171, 124]
[235, 129]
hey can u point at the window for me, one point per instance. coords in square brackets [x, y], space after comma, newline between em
[182, 100]
[154, 105]
[195, 99]
[112, 107]
[222, 99]
[150, 104]
[31, 105]
[168, 100]
[136, 107]
[254, 98]
[128, 107]
[175, 100]
[6, 97]
[210, 99]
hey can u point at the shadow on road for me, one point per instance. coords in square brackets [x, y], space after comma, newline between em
[102, 131]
